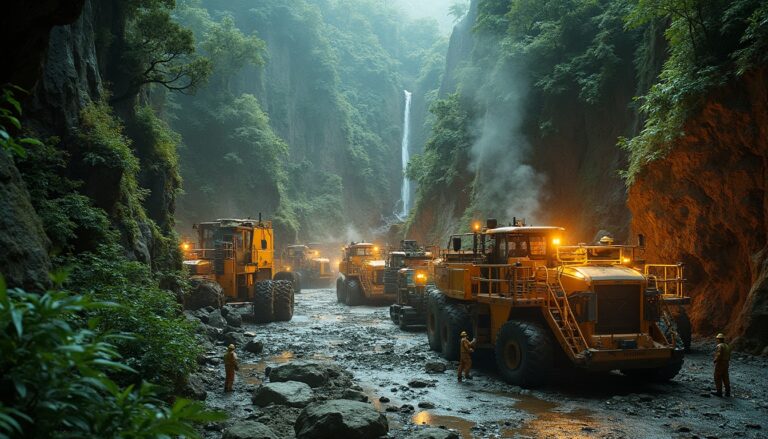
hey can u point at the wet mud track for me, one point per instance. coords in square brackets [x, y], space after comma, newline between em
[383, 360]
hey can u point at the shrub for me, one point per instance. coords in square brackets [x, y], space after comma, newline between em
[54, 379]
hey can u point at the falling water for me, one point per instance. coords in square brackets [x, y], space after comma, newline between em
[405, 189]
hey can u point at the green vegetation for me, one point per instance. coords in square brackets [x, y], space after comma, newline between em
[10, 111]
[56, 367]
[709, 46]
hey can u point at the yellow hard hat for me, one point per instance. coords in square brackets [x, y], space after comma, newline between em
[720, 335]
[463, 333]
[606, 240]
[231, 347]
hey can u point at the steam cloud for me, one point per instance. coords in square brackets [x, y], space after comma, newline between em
[505, 185]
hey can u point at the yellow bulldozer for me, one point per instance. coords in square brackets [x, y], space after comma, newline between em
[539, 305]
[238, 254]
[406, 275]
[305, 266]
[361, 275]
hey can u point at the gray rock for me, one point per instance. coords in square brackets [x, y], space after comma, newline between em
[216, 320]
[234, 338]
[433, 433]
[312, 374]
[417, 384]
[194, 387]
[354, 395]
[426, 405]
[213, 334]
[435, 367]
[340, 418]
[254, 346]
[203, 294]
[234, 319]
[249, 430]
[290, 393]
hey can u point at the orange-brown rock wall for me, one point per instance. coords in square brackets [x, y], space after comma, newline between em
[705, 204]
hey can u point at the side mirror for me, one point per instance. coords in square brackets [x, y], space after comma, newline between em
[263, 244]
[456, 242]
[640, 240]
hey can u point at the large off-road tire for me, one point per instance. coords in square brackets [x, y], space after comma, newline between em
[341, 295]
[669, 370]
[390, 281]
[435, 301]
[524, 353]
[291, 276]
[282, 292]
[263, 302]
[394, 314]
[453, 320]
[684, 327]
[354, 292]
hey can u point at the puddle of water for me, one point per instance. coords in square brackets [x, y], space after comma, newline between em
[461, 425]
[549, 422]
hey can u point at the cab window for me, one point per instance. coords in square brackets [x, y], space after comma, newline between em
[538, 245]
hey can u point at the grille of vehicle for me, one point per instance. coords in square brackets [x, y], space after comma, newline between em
[618, 309]
[378, 277]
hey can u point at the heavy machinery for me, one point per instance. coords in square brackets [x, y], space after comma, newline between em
[303, 266]
[361, 275]
[406, 275]
[539, 305]
[238, 254]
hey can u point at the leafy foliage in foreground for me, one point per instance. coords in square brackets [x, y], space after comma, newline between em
[163, 349]
[54, 376]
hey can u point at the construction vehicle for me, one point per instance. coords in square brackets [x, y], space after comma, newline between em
[361, 275]
[238, 254]
[303, 266]
[406, 275]
[539, 305]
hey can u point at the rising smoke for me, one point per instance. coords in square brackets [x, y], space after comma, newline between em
[506, 185]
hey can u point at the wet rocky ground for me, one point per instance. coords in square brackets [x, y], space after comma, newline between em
[365, 357]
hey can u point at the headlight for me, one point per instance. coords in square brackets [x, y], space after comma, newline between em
[556, 241]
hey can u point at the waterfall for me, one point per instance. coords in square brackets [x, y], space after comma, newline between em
[405, 189]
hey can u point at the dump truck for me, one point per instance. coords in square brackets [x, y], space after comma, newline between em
[407, 272]
[361, 275]
[539, 305]
[304, 266]
[238, 254]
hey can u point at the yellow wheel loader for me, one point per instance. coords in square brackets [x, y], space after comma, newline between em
[361, 275]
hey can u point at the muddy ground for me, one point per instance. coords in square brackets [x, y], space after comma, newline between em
[383, 359]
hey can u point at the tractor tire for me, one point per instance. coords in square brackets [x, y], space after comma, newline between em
[263, 302]
[354, 292]
[341, 295]
[453, 320]
[390, 281]
[684, 327]
[282, 291]
[435, 302]
[405, 320]
[524, 353]
[290, 276]
[394, 314]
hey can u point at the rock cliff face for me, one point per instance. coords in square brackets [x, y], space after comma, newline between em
[705, 205]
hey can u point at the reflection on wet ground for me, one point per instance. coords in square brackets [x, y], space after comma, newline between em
[460, 425]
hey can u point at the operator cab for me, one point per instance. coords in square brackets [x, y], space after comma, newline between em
[526, 245]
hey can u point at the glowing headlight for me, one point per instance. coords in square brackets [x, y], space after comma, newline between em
[185, 246]
[556, 241]
[287, 268]
[626, 260]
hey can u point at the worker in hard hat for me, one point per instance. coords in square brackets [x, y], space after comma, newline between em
[465, 358]
[230, 366]
[722, 358]
[606, 240]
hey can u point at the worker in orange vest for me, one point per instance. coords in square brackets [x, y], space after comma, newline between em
[230, 366]
[465, 358]
[722, 359]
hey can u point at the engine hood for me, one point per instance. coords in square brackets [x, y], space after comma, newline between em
[593, 273]
[376, 263]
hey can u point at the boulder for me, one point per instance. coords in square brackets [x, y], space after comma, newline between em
[213, 334]
[417, 383]
[354, 395]
[194, 387]
[435, 367]
[204, 293]
[216, 320]
[340, 418]
[234, 319]
[234, 338]
[290, 393]
[433, 433]
[310, 373]
[254, 346]
[248, 430]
